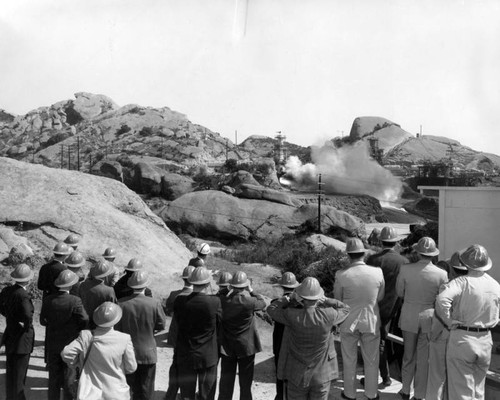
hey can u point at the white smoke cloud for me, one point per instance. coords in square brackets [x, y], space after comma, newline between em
[348, 170]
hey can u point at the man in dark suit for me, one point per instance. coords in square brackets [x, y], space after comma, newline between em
[50, 271]
[93, 290]
[390, 261]
[64, 316]
[173, 382]
[121, 287]
[142, 316]
[239, 338]
[19, 335]
[198, 316]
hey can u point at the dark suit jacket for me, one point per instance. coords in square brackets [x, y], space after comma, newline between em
[142, 316]
[198, 316]
[169, 309]
[390, 262]
[17, 307]
[93, 293]
[123, 290]
[238, 335]
[47, 276]
[64, 316]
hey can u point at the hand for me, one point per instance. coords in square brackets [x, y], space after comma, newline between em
[22, 324]
[455, 323]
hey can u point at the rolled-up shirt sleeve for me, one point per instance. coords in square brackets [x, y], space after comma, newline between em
[444, 301]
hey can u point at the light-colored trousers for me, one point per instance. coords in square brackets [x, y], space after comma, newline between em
[468, 357]
[369, 343]
[316, 392]
[436, 377]
[415, 363]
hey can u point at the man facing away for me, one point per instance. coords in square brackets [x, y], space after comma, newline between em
[198, 317]
[238, 337]
[469, 306]
[418, 285]
[19, 335]
[141, 317]
[361, 287]
[50, 271]
[64, 316]
[390, 261]
[121, 287]
[311, 360]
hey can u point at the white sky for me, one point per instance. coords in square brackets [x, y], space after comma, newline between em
[306, 68]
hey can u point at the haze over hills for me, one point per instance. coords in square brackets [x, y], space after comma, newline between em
[102, 129]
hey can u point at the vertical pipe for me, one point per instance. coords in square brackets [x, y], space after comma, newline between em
[69, 157]
[78, 151]
[62, 155]
[319, 203]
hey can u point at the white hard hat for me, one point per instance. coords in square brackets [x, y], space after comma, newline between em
[204, 248]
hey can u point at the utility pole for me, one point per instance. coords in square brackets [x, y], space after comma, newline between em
[62, 155]
[236, 137]
[320, 192]
[78, 151]
[227, 145]
[69, 157]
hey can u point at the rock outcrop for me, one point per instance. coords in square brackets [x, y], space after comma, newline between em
[215, 214]
[257, 192]
[52, 203]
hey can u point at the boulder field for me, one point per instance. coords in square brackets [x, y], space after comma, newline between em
[45, 205]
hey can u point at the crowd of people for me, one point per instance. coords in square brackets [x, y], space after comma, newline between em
[100, 329]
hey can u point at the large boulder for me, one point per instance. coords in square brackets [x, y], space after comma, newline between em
[110, 169]
[318, 242]
[221, 216]
[258, 192]
[54, 202]
[174, 186]
[89, 105]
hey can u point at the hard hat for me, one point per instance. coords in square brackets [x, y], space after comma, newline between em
[240, 280]
[426, 246]
[22, 273]
[200, 276]
[186, 272]
[102, 269]
[107, 314]
[197, 262]
[310, 289]
[61, 249]
[455, 261]
[204, 248]
[138, 280]
[66, 278]
[109, 253]
[134, 265]
[75, 260]
[389, 234]
[354, 245]
[476, 258]
[225, 279]
[72, 239]
[288, 280]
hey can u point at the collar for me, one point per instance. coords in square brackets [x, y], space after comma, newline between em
[358, 263]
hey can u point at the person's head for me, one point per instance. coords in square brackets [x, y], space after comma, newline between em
[102, 270]
[186, 273]
[355, 249]
[457, 267]
[22, 275]
[138, 281]
[65, 280]
[288, 282]
[239, 281]
[309, 291]
[61, 251]
[389, 237]
[476, 259]
[426, 248]
[107, 314]
[203, 250]
[200, 278]
[72, 240]
[109, 254]
[133, 265]
[75, 261]
[224, 279]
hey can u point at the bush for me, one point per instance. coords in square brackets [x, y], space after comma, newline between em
[123, 129]
[146, 131]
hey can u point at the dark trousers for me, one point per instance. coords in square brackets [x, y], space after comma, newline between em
[228, 374]
[142, 382]
[188, 376]
[383, 364]
[15, 377]
[173, 382]
[279, 382]
[60, 376]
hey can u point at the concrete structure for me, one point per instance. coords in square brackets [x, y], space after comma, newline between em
[469, 215]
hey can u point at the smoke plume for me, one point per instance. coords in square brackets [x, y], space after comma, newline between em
[348, 170]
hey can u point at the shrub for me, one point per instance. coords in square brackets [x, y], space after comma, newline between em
[146, 131]
[123, 129]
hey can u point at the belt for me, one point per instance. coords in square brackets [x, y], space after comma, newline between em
[472, 329]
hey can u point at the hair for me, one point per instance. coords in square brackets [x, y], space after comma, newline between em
[356, 256]
[388, 244]
[460, 272]
[200, 288]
